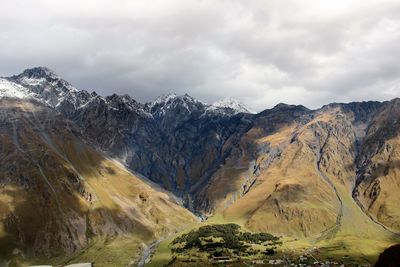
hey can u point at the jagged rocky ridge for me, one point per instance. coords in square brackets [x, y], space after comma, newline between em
[176, 141]
[270, 168]
[59, 194]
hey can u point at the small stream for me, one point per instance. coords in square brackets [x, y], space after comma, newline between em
[148, 252]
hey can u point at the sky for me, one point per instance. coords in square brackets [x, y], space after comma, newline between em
[261, 52]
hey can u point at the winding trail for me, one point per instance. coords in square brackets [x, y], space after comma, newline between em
[331, 231]
[397, 234]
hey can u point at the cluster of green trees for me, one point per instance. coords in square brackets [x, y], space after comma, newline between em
[220, 236]
[257, 238]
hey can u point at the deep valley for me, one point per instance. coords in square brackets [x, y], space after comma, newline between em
[91, 178]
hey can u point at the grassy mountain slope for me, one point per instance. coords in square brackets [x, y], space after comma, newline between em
[378, 178]
[294, 176]
[58, 195]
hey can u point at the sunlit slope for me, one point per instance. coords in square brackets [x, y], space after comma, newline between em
[289, 196]
[379, 176]
[57, 194]
[355, 232]
[303, 173]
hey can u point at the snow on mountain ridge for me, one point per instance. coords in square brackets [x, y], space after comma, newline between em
[231, 103]
[43, 76]
[13, 90]
[172, 97]
[227, 106]
[45, 85]
[166, 103]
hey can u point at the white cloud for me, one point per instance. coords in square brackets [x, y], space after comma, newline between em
[262, 52]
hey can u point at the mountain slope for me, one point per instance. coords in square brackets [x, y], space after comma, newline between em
[294, 176]
[58, 194]
[378, 180]
[176, 141]
[328, 176]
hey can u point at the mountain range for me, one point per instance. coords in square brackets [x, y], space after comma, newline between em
[79, 169]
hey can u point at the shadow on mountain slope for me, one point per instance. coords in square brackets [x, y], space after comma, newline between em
[57, 193]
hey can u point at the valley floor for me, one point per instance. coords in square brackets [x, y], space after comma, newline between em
[341, 250]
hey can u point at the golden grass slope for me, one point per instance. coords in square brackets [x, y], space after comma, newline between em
[379, 187]
[58, 195]
[304, 176]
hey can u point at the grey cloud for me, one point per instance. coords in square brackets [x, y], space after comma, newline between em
[302, 52]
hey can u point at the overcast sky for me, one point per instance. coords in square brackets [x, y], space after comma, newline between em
[261, 52]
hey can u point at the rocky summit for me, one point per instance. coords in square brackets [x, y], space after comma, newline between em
[80, 171]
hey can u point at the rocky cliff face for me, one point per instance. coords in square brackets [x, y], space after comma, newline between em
[175, 141]
[297, 170]
[325, 173]
[378, 172]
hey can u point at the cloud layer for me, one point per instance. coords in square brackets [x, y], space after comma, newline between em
[261, 52]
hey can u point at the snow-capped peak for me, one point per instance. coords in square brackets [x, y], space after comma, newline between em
[166, 103]
[173, 99]
[39, 72]
[46, 85]
[163, 99]
[13, 90]
[231, 103]
[43, 77]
